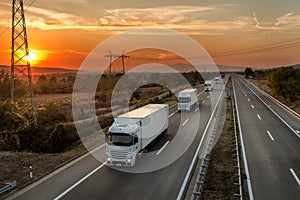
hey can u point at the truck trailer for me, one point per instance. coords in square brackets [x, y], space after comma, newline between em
[187, 100]
[133, 132]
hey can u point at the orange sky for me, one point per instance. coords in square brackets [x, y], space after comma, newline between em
[62, 33]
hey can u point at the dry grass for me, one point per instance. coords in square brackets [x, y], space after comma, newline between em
[15, 165]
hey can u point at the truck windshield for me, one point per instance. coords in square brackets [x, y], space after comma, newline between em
[184, 99]
[120, 139]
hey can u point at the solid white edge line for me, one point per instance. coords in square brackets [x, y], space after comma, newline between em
[270, 135]
[80, 181]
[250, 192]
[293, 130]
[57, 171]
[182, 188]
[185, 122]
[258, 116]
[295, 176]
[171, 114]
[277, 101]
[162, 148]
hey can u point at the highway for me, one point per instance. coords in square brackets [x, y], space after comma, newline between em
[87, 178]
[272, 144]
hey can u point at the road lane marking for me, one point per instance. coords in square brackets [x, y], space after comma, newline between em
[258, 116]
[200, 93]
[172, 114]
[295, 176]
[196, 109]
[185, 122]
[203, 101]
[270, 135]
[248, 99]
[207, 97]
[162, 148]
[173, 105]
[275, 113]
[245, 95]
[80, 181]
[252, 106]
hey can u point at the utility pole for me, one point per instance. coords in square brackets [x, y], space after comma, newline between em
[110, 61]
[123, 56]
[21, 80]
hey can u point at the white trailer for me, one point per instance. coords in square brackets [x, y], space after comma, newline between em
[187, 100]
[208, 86]
[217, 79]
[133, 131]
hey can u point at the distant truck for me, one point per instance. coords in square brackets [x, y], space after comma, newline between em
[187, 100]
[217, 79]
[134, 131]
[208, 86]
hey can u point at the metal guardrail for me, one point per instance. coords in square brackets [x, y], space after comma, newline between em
[8, 186]
[216, 129]
[237, 178]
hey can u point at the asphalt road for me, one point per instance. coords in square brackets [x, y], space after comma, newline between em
[272, 148]
[104, 182]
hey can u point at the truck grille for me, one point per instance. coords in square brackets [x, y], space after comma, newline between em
[115, 154]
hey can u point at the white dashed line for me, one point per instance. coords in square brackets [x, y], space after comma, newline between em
[295, 176]
[258, 116]
[270, 135]
[171, 114]
[196, 109]
[207, 97]
[252, 106]
[245, 95]
[203, 101]
[162, 148]
[297, 131]
[185, 122]
[248, 99]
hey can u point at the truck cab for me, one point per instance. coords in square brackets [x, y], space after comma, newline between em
[208, 86]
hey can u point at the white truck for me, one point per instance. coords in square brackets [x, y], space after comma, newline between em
[208, 86]
[187, 100]
[132, 132]
[217, 80]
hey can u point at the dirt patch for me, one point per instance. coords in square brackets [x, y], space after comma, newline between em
[15, 165]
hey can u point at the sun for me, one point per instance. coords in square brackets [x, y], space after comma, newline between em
[32, 56]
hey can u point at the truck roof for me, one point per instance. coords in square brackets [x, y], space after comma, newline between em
[143, 111]
[188, 90]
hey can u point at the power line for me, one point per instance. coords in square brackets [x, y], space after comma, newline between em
[4, 31]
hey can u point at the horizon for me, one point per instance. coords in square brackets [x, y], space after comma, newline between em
[243, 34]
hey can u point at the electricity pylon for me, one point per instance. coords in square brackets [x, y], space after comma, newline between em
[21, 80]
[111, 56]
